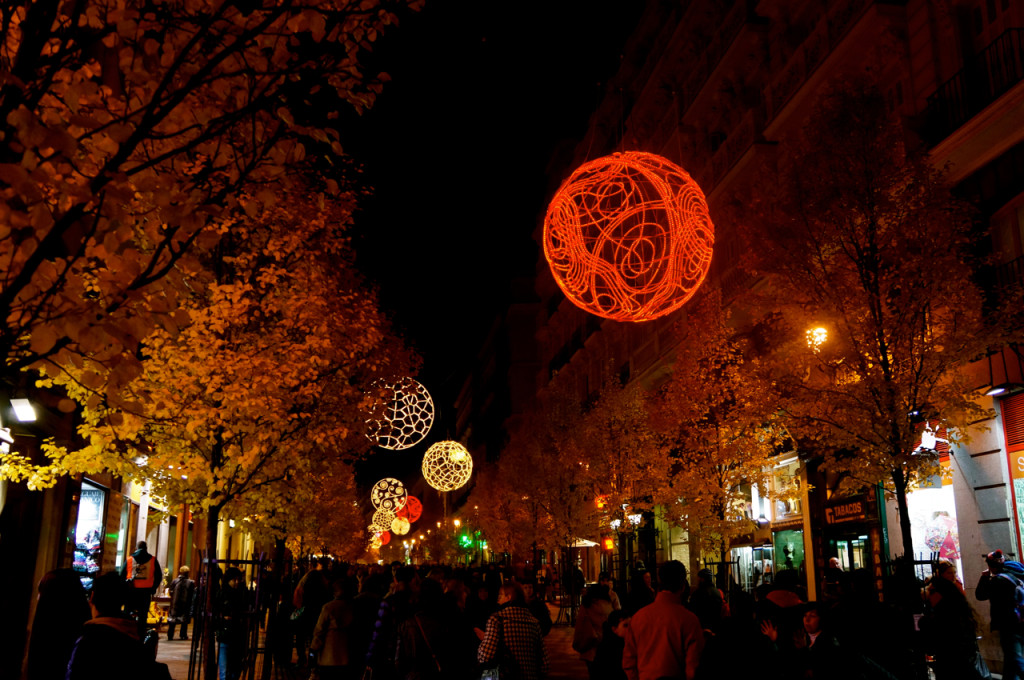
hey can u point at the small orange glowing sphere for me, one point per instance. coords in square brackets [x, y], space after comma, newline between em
[628, 237]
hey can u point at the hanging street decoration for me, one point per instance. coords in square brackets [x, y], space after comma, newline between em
[382, 520]
[628, 237]
[399, 526]
[411, 510]
[407, 417]
[447, 466]
[388, 494]
[375, 543]
[384, 537]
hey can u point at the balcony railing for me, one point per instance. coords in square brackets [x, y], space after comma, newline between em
[995, 70]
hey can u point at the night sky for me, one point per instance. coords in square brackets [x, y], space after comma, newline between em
[483, 95]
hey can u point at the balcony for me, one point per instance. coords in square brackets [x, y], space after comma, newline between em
[994, 71]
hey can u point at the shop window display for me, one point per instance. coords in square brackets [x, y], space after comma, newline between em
[89, 533]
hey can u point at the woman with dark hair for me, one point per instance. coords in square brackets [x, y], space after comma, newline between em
[641, 591]
[61, 610]
[608, 659]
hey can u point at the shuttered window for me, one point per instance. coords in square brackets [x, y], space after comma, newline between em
[1013, 422]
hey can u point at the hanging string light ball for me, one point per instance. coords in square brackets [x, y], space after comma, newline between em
[388, 494]
[399, 526]
[407, 418]
[447, 465]
[411, 510]
[382, 520]
[628, 236]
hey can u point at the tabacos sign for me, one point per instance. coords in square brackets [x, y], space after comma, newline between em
[847, 511]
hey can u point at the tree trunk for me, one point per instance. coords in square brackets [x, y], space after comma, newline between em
[899, 479]
[209, 643]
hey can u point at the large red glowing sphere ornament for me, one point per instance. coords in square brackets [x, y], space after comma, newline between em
[412, 509]
[384, 537]
[628, 237]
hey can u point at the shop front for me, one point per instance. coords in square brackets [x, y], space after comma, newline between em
[90, 532]
[853, 534]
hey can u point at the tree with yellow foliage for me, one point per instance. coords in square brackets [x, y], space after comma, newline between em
[132, 137]
[250, 409]
[868, 265]
[718, 417]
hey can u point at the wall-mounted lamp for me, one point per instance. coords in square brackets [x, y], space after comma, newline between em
[23, 410]
[1005, 373]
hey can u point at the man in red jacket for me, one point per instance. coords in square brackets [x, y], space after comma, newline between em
[665, 638]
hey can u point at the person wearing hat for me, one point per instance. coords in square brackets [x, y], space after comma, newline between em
[998, 585]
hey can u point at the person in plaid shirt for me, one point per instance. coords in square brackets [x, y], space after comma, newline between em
[513, 640]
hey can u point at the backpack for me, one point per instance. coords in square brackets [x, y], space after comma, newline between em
[1018, 596]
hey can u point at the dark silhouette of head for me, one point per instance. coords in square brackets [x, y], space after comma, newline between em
[672, 575]
[109, 592]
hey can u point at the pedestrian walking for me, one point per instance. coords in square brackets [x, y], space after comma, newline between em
[641, 591]
[608, 659]
[143, 573]
[998, 585]
[595, 608]
[61, 611]
[183, 595]
[231, 615]
[331, 636]
[950, 628]
[512, 641]
[111, 638]
[665, 638]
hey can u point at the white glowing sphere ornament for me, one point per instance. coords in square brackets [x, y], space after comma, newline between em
[388, 494]
[408, 416]
[447, 466]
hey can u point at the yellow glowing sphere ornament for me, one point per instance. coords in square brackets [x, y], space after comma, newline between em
[382, 520]
[447, 466]
[388, 494]
[408, 416]
[399, 526]
[629, 237]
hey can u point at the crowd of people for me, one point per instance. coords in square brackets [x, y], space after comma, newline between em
[326, 620]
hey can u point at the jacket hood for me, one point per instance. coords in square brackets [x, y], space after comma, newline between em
[1014, 567]
[141, 556]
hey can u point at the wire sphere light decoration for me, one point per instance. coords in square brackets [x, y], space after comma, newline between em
[388, 494]
[447, 465]
[628, 236]
[411, 510]
[407, 417]
[382, 520]
[399, 526]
